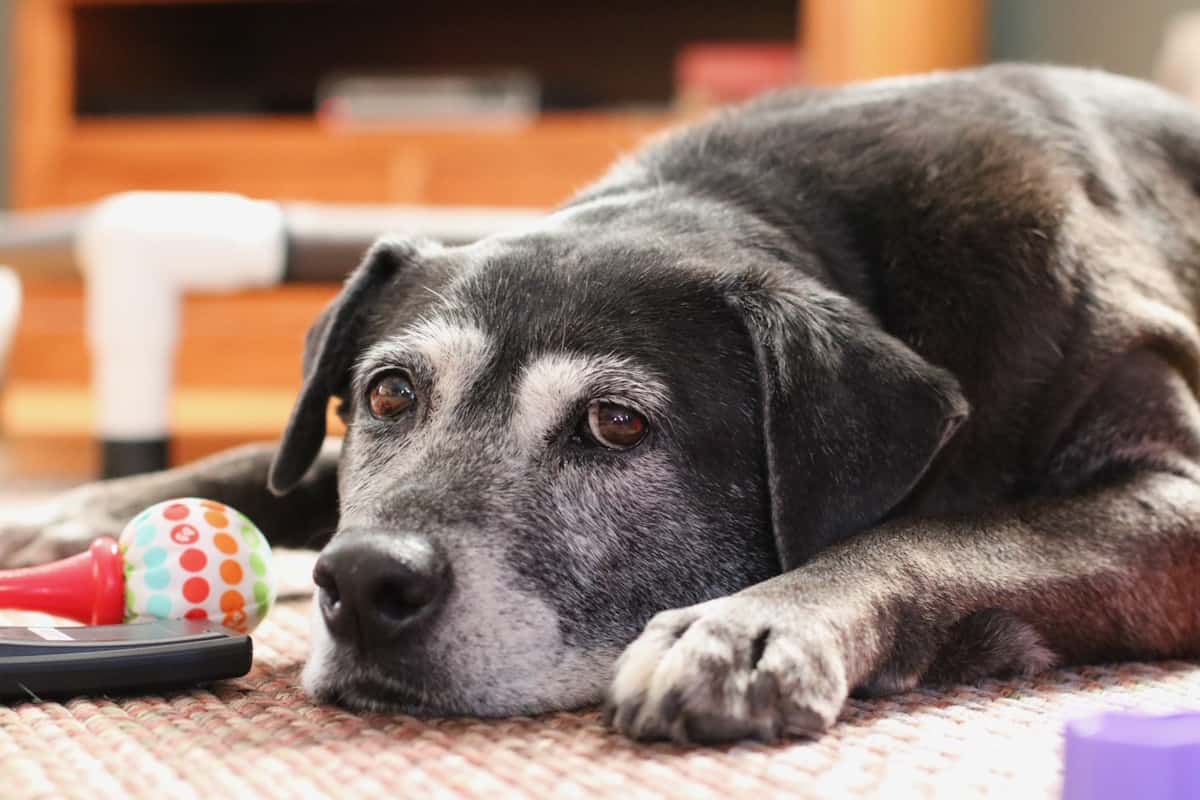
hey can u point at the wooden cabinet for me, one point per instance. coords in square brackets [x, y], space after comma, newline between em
[240, 355]
[67, 51]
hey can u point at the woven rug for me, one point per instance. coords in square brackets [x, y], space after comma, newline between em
[260, 737]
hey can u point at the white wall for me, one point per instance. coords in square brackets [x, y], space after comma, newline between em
[1119, 35]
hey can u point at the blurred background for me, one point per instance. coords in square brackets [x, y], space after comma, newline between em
[461, 103]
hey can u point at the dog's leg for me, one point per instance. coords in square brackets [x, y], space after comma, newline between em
[1111, 574]
[1108, 570]
[305, 517]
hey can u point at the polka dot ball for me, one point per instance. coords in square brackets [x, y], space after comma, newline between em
[196, 559]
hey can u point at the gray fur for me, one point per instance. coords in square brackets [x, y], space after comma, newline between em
[920, 361]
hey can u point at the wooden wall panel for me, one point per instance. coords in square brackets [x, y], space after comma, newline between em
[849, 40]
[42, 95]
[247, 339]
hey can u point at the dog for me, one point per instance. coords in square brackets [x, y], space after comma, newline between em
[843, 390]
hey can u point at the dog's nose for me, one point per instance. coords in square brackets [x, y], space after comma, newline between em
[374, 588]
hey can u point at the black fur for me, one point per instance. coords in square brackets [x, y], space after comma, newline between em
[922, 357]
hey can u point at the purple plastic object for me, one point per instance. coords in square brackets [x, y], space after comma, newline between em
[1118, 756]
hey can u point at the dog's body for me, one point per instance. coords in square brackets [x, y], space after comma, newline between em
[911, 368]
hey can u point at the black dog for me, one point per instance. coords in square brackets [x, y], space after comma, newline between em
[896, 382]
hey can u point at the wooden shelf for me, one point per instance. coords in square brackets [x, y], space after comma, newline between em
[245, 339]
[296, 158]
[237, 374]
[240, 354]
[48, 434]
[58, 158]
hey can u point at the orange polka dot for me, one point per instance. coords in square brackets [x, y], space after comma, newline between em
[195, 590]
[175, 512]
[232, 601]
[231, 571]
[225, 543]
[212, 505]
[216, 519]
[193, 559]
[196, 613]
[235, 620]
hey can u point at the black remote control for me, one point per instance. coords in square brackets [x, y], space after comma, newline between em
[37, 662]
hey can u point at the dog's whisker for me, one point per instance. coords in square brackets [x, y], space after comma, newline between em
[32, 695]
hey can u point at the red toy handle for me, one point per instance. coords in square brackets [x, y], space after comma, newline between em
[88, 588]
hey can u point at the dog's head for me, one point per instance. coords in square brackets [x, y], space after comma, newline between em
[552, 436]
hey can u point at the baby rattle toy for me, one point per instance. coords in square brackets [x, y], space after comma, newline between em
[187, 559]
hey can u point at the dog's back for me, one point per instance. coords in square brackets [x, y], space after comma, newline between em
[1021, 226]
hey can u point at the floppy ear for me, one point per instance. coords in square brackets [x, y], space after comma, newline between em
[852, 418]
[330, 349]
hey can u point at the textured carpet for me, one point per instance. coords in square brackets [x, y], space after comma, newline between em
[260, 737]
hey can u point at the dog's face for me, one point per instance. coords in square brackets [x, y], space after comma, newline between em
[553, 436]
[578, 437]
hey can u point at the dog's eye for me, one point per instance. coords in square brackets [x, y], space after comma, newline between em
[613, 426]
[390, 395]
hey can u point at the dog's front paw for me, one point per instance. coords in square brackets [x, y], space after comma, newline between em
[729, 669]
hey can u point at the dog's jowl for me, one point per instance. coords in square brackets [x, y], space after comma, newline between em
[839, 391]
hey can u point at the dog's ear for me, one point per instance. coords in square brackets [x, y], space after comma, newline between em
[852, 417]
[330, 348]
